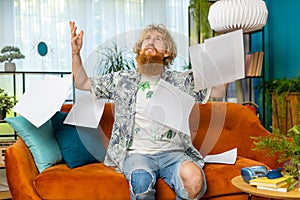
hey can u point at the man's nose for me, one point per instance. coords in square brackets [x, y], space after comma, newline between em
[151, 41]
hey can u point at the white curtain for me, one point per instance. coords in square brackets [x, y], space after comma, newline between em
[6, 23]
[26, 23]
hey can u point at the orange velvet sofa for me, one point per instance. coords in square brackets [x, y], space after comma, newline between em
[96, 181]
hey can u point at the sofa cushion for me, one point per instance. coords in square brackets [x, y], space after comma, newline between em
[96, 180]
[93, 181]
[220, 176]
[41, 141]
[101, 182]
[78, 145]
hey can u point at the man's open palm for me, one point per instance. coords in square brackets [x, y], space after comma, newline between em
[76, 39]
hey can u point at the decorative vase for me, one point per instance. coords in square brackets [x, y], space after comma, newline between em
[2, 114]
[285, 111]
[9, 67]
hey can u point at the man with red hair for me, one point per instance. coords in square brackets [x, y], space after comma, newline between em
[144, 150]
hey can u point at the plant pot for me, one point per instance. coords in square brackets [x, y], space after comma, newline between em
[2, 114]
[9, 67]
[286, 111]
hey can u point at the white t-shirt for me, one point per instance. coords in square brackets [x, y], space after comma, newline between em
[150, 137]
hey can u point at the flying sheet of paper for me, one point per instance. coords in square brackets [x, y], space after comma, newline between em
[170, 106]
[227, 157]
[86, 111]
[43, 98]
[218, 60]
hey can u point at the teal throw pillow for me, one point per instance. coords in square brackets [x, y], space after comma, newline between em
[78, 145]
[40, 141]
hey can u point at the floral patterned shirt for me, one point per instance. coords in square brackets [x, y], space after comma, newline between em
[122, 87]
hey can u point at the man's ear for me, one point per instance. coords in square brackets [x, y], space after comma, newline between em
[167, 54]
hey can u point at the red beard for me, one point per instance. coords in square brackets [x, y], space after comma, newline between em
[150, 64]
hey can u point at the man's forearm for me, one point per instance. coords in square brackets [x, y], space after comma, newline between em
[81, 80]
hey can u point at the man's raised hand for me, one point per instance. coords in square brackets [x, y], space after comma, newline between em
[76, 39]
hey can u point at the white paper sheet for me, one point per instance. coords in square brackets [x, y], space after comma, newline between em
[43, 98]
[227, 157]
[218, 60]
[86, 111]
[170, 106]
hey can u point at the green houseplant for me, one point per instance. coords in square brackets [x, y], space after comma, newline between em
[285, 96]
[113, 59]
[198, 20]
[9, 53]
[6, 103]
[286, 146]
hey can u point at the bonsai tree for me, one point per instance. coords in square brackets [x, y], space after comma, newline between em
[6, 102]
[10, 53]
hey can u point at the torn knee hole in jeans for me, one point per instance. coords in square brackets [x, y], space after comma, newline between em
[185, 162]
[141, 181]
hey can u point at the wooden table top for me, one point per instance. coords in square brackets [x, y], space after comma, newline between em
[5, 195]
[239, 183]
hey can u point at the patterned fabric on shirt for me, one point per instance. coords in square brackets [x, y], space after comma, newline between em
[122, 87]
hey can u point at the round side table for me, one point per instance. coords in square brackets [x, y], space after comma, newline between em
[239, 183]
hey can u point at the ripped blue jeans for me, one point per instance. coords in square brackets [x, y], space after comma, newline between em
[142, 171]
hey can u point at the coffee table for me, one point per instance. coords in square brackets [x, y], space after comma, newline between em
[239, 183]
[5, 195]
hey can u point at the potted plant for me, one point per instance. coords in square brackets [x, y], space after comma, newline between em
[285, 95]
[286, 146]
[198, 20]
[6, 103]
[8, 54]
[113, 59]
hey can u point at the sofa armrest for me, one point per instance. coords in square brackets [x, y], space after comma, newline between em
[20, 171]
[224, 126]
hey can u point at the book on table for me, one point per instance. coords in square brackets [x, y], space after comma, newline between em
[272, 183]
[284, 188]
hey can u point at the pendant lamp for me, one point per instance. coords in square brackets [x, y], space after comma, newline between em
[229, 15]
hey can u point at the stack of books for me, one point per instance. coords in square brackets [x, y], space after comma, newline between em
[254, 63]
[277, 184]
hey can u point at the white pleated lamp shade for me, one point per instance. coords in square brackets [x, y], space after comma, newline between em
[229, 15]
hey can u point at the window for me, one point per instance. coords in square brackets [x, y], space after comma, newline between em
[34, 23]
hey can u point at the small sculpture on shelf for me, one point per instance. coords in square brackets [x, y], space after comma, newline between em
[8, 54]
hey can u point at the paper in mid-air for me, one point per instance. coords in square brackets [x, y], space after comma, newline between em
[43, 98]
[170, 106]
[218, 60]
[86, 111]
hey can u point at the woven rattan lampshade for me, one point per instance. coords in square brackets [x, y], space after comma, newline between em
[229, 15]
